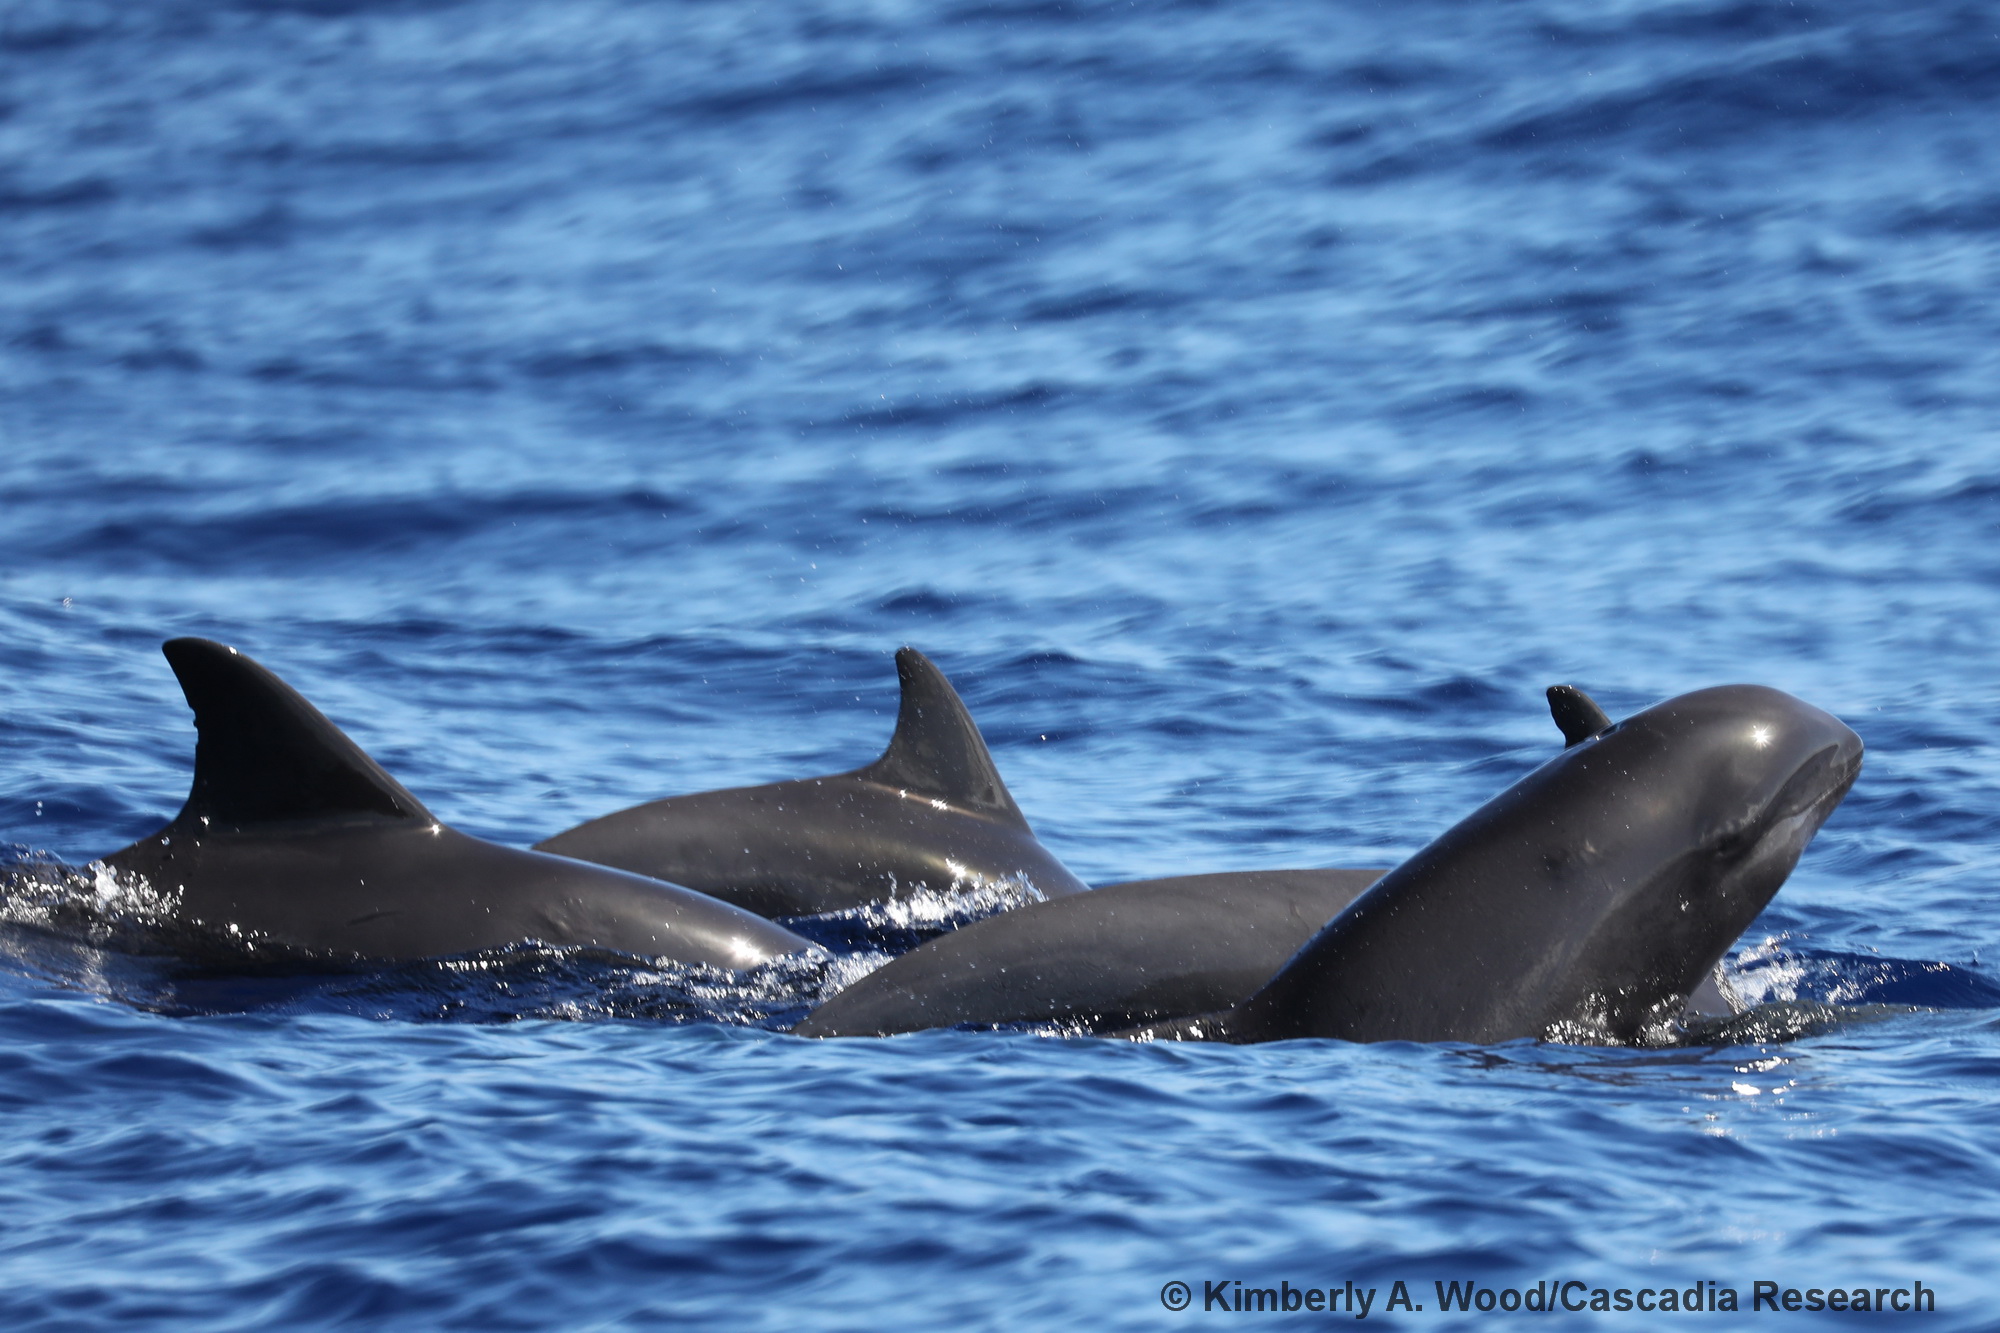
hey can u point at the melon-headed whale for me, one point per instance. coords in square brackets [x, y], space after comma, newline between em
[1159, 949]
[1584, 903]
[931, 812]
[293, 834]
[1117, 956]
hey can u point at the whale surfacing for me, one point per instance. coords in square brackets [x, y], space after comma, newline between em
[1586, 902]
[292, 833]
[1589, 901]
[1116, 956]
[932, 813]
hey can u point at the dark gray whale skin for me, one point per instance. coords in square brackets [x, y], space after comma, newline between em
[1585, 902]
[1132, 953]
[291, 832]
[932, 811]
[1117, 956]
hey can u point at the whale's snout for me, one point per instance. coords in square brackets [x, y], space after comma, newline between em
[1821, 780]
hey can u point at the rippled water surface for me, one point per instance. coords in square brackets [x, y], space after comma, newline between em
[1251, 407]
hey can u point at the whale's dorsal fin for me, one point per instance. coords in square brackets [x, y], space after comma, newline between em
[264, 753]
[937, 750]
[1576, 713]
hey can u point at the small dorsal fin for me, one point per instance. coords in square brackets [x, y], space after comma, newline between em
[937, 749]
[1576, 713]
[264, 753]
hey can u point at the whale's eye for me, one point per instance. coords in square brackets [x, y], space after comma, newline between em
[1732, 843]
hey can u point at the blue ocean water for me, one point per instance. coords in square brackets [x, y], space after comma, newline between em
[1251, 407]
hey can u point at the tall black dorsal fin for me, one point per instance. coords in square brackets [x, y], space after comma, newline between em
[264, 753]
[937, 750]
[1576, 713]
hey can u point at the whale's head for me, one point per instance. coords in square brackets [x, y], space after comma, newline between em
[1589, 899]
[1692, 813]
[1739, 777]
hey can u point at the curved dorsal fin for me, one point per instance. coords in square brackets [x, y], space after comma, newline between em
[264, 753]
[937, 749]
[1576, 713]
